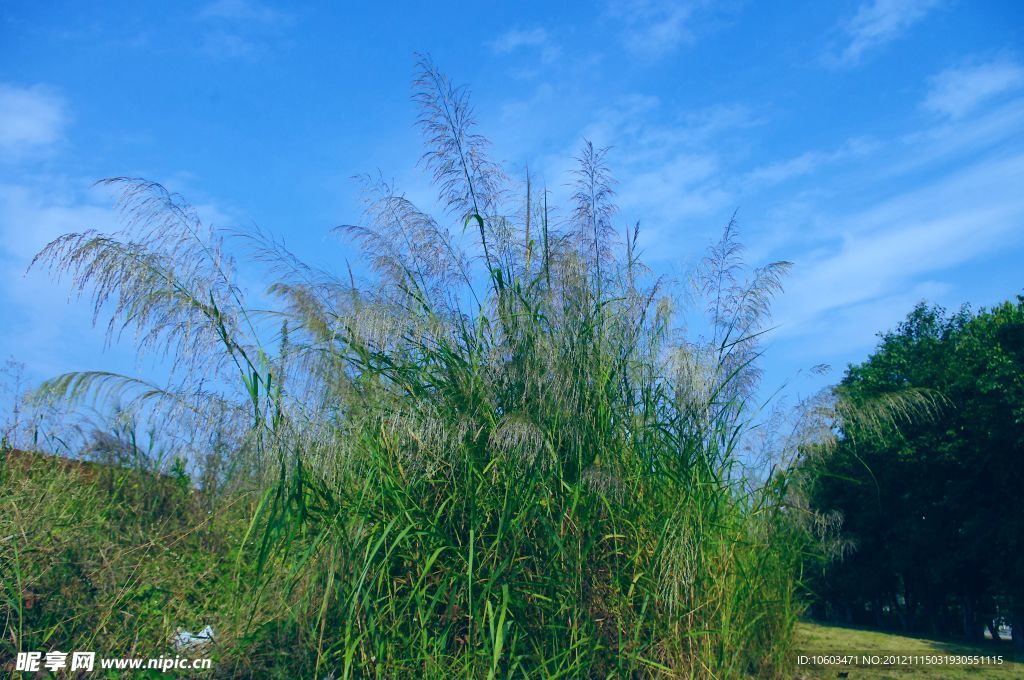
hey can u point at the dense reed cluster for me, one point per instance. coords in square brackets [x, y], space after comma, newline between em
[493, 457]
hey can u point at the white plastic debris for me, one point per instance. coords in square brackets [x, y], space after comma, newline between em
[185, 641]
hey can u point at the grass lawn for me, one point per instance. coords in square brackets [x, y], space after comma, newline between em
[836, 641]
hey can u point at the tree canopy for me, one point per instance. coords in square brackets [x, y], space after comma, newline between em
[931, 505]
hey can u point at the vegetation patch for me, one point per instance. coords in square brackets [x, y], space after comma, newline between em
[490, 451]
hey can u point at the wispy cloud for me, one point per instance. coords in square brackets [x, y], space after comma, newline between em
[513, 39]
[239, 29]
[958, 91]
[951, 140]
[517, 39]
[811, 161]
[877, 23]
[872, 256]
[874, 233]
[31, 120]
[851, 329]
[653, 28]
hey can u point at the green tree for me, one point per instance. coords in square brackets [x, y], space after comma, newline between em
[932, 505]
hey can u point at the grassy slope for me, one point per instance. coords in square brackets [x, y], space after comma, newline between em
[835, 640]
[112, 561]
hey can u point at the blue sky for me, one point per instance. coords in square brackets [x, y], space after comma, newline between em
[877, 144]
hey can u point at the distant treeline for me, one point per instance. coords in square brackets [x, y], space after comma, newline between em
[931, 501]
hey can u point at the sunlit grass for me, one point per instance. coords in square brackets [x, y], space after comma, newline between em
[840, 640]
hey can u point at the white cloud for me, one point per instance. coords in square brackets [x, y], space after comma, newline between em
[511, 40]
[780, 171]
[958, 91]
[240, 29]
[852, 329]
[34, 211]
[811, 161]
[653, 28]
[683, 186]
[883, 250]
[989, 128]
[31, 120]
[37, 210]
[879, 22]
[520, 39]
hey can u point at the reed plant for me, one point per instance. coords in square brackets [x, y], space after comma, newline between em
[494, 453]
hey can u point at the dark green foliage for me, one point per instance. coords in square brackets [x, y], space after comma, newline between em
[933, 505]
